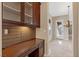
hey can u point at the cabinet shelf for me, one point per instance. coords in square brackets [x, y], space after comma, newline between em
[28, 4]
[10, 9]
[28, 15]
[11, 22]
[7, 21]
[15, 11]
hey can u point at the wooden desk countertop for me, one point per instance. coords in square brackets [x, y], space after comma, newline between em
[23, 47]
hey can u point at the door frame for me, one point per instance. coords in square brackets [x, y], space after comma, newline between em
[75, 29]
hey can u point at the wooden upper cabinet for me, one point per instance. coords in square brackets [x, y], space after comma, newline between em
[27, 13]
[31, 13]
[36, 13]
[11, 11]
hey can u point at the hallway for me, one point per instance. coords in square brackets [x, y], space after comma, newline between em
[60, 48]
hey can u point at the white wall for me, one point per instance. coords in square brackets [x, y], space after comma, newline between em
[0, 29]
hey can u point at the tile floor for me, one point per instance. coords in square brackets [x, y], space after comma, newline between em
[60, 48]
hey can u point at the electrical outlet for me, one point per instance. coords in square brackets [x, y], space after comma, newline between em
[5, 31]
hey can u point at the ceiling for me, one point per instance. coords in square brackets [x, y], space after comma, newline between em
[59, 8]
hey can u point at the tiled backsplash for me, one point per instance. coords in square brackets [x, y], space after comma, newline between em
[16, 34]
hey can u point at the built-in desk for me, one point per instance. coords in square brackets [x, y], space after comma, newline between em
[31, 48]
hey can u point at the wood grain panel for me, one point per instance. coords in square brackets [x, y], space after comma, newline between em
[16, 34]
[36, 13]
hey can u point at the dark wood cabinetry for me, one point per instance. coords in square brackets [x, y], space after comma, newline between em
[36, 13]
[24, 39]
[23, 49]
[11, 11]
[23, 13]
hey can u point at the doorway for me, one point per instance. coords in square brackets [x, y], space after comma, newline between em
[62, 44]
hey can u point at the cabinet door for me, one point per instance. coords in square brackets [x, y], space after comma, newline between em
[12, 11]
[36, 14]
[28, 13]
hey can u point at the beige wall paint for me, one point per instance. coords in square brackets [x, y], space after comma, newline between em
[42, 32]
[78, 29]
[0, 29]
[75, 29]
